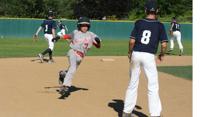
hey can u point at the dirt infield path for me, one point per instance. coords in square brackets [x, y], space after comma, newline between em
[99, 89]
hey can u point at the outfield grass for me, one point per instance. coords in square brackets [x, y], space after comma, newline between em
[29, 48]
[178, 71]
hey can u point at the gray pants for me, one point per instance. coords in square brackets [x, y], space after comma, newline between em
[74, 62]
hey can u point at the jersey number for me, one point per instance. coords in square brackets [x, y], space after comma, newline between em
[177, 26]
[146, 37]
[46, 28]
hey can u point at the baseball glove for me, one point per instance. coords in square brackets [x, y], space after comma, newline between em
[35, 37]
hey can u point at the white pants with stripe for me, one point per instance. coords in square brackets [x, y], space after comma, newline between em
[176, 35]
[49, 38]
[147, 61]
[74, 62]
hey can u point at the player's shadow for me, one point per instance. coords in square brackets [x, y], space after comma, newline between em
[38, 60]
[170, 53]
[72, 89]
[118, 106]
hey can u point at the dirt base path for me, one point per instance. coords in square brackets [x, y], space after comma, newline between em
[99, 89]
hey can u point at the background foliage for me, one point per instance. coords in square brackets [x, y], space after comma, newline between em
[95, 9]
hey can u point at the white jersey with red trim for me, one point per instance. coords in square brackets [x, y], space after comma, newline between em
[82, 41]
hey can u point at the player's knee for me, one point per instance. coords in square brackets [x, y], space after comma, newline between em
[72, 70]
[153, 89]
[51, 48]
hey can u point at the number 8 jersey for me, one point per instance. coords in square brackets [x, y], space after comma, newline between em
[147, 34]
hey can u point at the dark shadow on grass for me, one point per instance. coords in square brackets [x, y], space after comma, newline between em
[118, 106]
[178, 71]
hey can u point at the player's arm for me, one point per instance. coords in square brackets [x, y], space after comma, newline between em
[66, 29]
[35, 36]
[162, 50]
[164, 40]
[54, 32]
[132, 40]
[170, 30]
[131, 46]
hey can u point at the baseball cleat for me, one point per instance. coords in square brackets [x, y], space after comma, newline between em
[181, 53]
[50, 61]
[41, 57]
[169, 51]
[64, 91]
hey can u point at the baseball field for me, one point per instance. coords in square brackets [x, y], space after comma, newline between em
[28, 87]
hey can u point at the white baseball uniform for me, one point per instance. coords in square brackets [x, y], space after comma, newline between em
[176, 34]
[147, 34]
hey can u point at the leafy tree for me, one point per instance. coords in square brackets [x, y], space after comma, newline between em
[95, 9]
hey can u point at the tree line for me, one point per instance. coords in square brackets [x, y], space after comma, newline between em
[95, 9]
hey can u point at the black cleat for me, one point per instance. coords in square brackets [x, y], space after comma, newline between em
[41, 57]
[126, 114]
[180, 52]
[64, 91]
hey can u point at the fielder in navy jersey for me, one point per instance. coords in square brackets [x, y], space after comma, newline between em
[49, 27]
[143, 45]
[62, 27]
[175, 34]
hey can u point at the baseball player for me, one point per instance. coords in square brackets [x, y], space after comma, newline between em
[175, 34]
[81, 40]
[143, 44]
[49, 27]
[62, 28]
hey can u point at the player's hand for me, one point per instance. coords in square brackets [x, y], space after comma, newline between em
[170, 33]
[35, 37]
[161, 57]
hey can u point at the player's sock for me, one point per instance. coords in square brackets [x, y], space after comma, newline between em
[50, 55]
[46, 51]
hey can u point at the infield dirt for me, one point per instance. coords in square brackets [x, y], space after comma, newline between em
[99, 88]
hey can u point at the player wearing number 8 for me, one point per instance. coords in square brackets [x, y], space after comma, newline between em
[143, 44]
[49, 27]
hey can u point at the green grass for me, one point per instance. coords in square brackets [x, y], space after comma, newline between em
[28, 48]
[178, 71]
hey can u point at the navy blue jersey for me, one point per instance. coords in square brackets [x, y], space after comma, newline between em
[175, 26]
[61, 26]
[48, 25]
[147, 34]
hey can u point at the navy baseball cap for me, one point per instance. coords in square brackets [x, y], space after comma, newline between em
[151, 5]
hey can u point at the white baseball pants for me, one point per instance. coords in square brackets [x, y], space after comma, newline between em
[49, 38]
[74, 62]
[61, 33]
[147, 61]
[176, 35]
